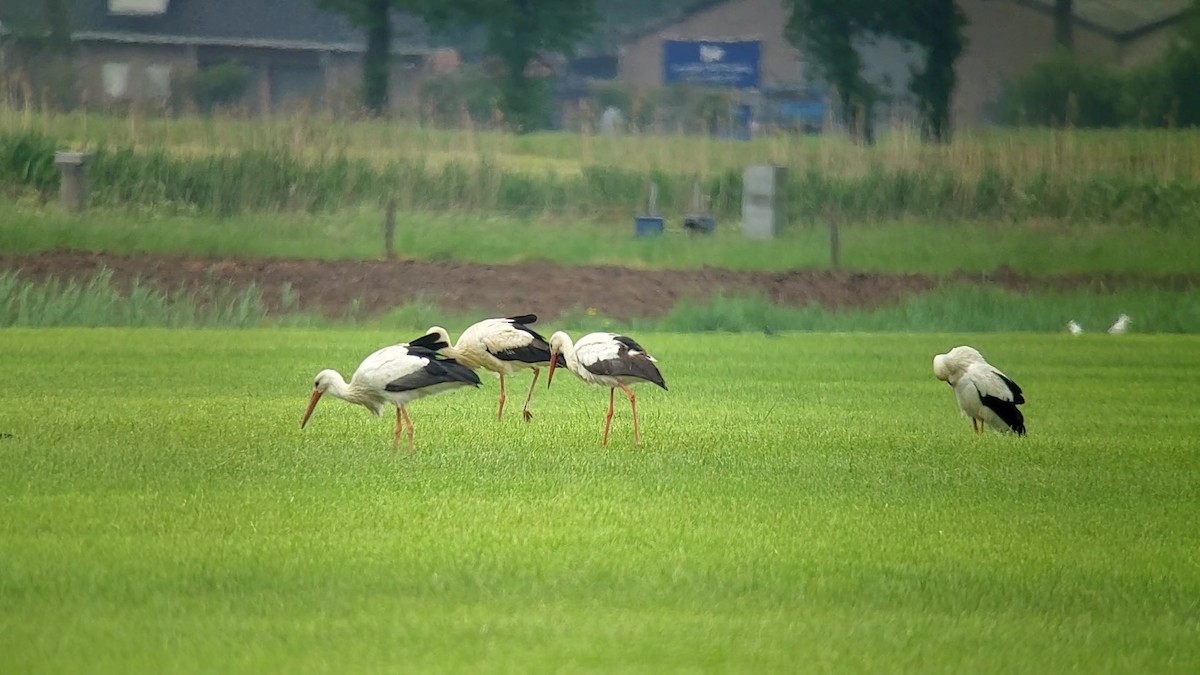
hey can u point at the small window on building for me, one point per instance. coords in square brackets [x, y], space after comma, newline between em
[158, 82]
[116, 79]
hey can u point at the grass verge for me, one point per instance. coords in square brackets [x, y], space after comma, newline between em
[908, 246]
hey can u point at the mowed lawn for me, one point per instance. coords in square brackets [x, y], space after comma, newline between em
[802, 502]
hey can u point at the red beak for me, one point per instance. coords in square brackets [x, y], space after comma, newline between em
[311, 404]
[553, 365]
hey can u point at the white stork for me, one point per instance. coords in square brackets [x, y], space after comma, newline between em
[1074, 328]
[606, 360]
[984, 394]
[398, 375]
[1120, 325]
[502, 346]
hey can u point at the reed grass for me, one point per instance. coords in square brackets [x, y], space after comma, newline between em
[1156, 154]
[227, 165]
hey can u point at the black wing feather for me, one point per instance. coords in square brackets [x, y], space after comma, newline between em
[429, 341]
[629, 365]
[1018, 397]
[538, 349]
[1006, 411]
[437, 371]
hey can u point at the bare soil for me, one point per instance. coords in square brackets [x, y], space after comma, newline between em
[547, 289]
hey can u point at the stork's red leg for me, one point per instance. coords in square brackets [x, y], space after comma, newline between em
[500, 413]
[637, 436]
[410, 428]
[608, 417]
[400, 424]
[525, 412]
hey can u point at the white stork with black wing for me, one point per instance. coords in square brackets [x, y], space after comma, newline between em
[606, 360]
[503, 346]
[398, 374]
[984, 394]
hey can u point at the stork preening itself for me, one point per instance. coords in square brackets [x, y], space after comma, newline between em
[398, 374]
[984, 394]
[606, 360]
[503, 346]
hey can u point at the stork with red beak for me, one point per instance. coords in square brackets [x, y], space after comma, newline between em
[606, 360]
[398, 374]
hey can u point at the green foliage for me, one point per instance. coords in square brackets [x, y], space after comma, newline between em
[1064, 90]
[828, 30]
[519, 33]
[803, 499]
[468, 92]
[218, 85]
[276, 178]
[98, 302]
[27, 161]
[948, 309]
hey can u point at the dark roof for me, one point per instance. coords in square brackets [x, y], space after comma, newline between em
[1118, 19]
[278, 23]
[698, 7]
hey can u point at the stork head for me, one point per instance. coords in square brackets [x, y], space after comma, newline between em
[947, 367]
[324, 380]
[559, 342]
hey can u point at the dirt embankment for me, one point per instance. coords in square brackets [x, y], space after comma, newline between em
[543, 288]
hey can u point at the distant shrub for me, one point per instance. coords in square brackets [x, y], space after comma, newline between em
[448, 99]
[214, 86]
[1064, 90]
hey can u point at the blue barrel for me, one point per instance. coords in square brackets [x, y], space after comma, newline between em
[648, 225]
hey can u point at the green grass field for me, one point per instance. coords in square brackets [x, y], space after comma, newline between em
[908, 246]
[802, 502]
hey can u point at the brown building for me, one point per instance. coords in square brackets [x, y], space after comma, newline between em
[135, 50]
[1003, 38]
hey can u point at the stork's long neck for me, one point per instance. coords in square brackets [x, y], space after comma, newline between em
[567, 349]
[350, 392]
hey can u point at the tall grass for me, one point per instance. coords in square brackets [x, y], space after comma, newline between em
[949, 309]
[1163, 155]
[220, 166]
[98, 302]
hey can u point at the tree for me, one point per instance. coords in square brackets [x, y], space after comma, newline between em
[1064, 24]
[935, 26]
[374, 17]
[517, 32]
[826, 30]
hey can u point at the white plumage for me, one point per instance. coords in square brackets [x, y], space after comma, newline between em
[606, 360]
[502, 346]
[1074, 328]
[398, 375]
[1120, 325]
[983, 393]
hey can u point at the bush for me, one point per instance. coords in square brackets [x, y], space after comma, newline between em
[447, 98]
[1064, 91]
[220, 85]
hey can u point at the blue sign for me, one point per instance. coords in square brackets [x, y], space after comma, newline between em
[712, 63]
